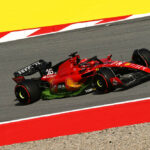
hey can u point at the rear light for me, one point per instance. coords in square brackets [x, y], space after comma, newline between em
[19, 79]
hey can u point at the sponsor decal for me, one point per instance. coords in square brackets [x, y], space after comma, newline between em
[49, 71]
[127, 64]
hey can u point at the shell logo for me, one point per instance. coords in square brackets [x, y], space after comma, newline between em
[127, 64]
[72, 84]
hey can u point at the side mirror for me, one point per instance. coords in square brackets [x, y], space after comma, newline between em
[73, 54]
[109, 57]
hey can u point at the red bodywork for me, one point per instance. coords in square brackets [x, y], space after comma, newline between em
[71, 74]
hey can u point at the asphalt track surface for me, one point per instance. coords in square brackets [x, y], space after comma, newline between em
[119, 39]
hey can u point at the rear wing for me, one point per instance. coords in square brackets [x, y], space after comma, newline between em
[38, 66]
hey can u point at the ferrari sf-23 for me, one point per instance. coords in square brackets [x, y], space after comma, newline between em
[75, 76]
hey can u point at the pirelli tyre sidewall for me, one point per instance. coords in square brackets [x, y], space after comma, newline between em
[27, 91]
[102, 81]
[141, 57]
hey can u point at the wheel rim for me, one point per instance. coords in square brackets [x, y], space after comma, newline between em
[22, 94]
[99, 83]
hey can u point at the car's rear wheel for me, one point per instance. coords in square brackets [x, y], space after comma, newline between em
[102, 81]
[27, 91]
[141, 57]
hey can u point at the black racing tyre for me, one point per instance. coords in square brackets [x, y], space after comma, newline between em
[141, 57]
[28, 91]
[102, 81]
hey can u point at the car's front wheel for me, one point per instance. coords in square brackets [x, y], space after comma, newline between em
[27, 91]
[141, 57]
[102, 81]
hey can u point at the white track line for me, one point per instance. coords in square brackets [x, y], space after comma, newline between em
[74, 110]
[23, 34]
[137, 16]
[80, 25]
[16, 35]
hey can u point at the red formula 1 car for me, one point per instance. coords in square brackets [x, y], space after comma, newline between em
[75, 76]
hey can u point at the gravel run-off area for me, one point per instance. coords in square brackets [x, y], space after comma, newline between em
[134, 137]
